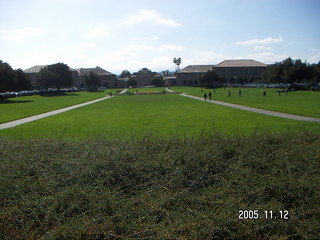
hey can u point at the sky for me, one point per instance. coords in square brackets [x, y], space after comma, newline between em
[132, 34]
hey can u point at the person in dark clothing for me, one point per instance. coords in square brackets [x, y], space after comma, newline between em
[210, 95]
[229, 94]
[205, 96]
[264, 93]
[239, 92]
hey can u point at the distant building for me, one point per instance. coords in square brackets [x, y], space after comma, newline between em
[230, 70]
[143, 77]
[240, 70]
[108, 79]
[32, 74]
[189, 76]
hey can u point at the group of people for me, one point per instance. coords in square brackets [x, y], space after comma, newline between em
[209, 95]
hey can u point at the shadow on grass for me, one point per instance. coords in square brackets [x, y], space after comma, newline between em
[60, 95]
[6, 101]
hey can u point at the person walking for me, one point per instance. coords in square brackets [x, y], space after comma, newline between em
[205, 96]
[210, 96]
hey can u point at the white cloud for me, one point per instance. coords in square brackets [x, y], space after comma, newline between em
[100, 31]
[138, 47]
[257, 41]
[22, 34]
[265, 57]
[170, 47]
[152, 16]
[262, 48]
[206, 57]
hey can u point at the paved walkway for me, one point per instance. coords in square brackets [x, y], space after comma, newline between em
[51, 113]
[256, 110]
[123, 91]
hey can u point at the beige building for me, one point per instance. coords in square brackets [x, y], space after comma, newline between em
[240, 70]
[189, 76]
[230, 70]
[108, 79]
[143, 77]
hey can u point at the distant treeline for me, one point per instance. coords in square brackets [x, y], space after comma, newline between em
[292, 71]
[12, 80]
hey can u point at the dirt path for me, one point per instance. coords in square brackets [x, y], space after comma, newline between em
[256, 110]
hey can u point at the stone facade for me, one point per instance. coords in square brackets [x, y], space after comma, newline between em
[230, 70]
[240, 70]
[143, 77]
[108, 79]
[189, 76]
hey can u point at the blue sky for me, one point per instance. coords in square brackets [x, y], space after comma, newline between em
[123, 34]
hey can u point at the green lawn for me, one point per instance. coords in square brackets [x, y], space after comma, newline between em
[20, 107]
[163, 115]
[147, 90]
[304, 103]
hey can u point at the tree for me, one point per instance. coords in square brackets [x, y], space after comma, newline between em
[316, 76]
[211, 79]
[157, 81]
[132, 83]
[12, 80]
[290, 71]
[273, 74]
[6, 77]
[63, 73]
[177, 62]
[93, 81]
[125, 73]
[47, 78]
[21, 81]
[166, 73]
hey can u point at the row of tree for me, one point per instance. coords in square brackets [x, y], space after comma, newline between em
[12, 80]
[292, 71]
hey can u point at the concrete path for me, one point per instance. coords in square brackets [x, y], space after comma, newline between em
[51, 113]
[124, 91]
[256, 110]
[47, 114]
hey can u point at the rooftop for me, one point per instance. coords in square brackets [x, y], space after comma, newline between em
[34, 69]
[97, 70]
[241, 63]
[37, 68]
[196, 68]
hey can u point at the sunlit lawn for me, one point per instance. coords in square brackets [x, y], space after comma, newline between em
[20, 107]
[304, 103]
[163, 115]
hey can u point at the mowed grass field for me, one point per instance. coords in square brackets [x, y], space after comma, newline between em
[162, 115]
[304, 103]
[20, 107]
[147, 90]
